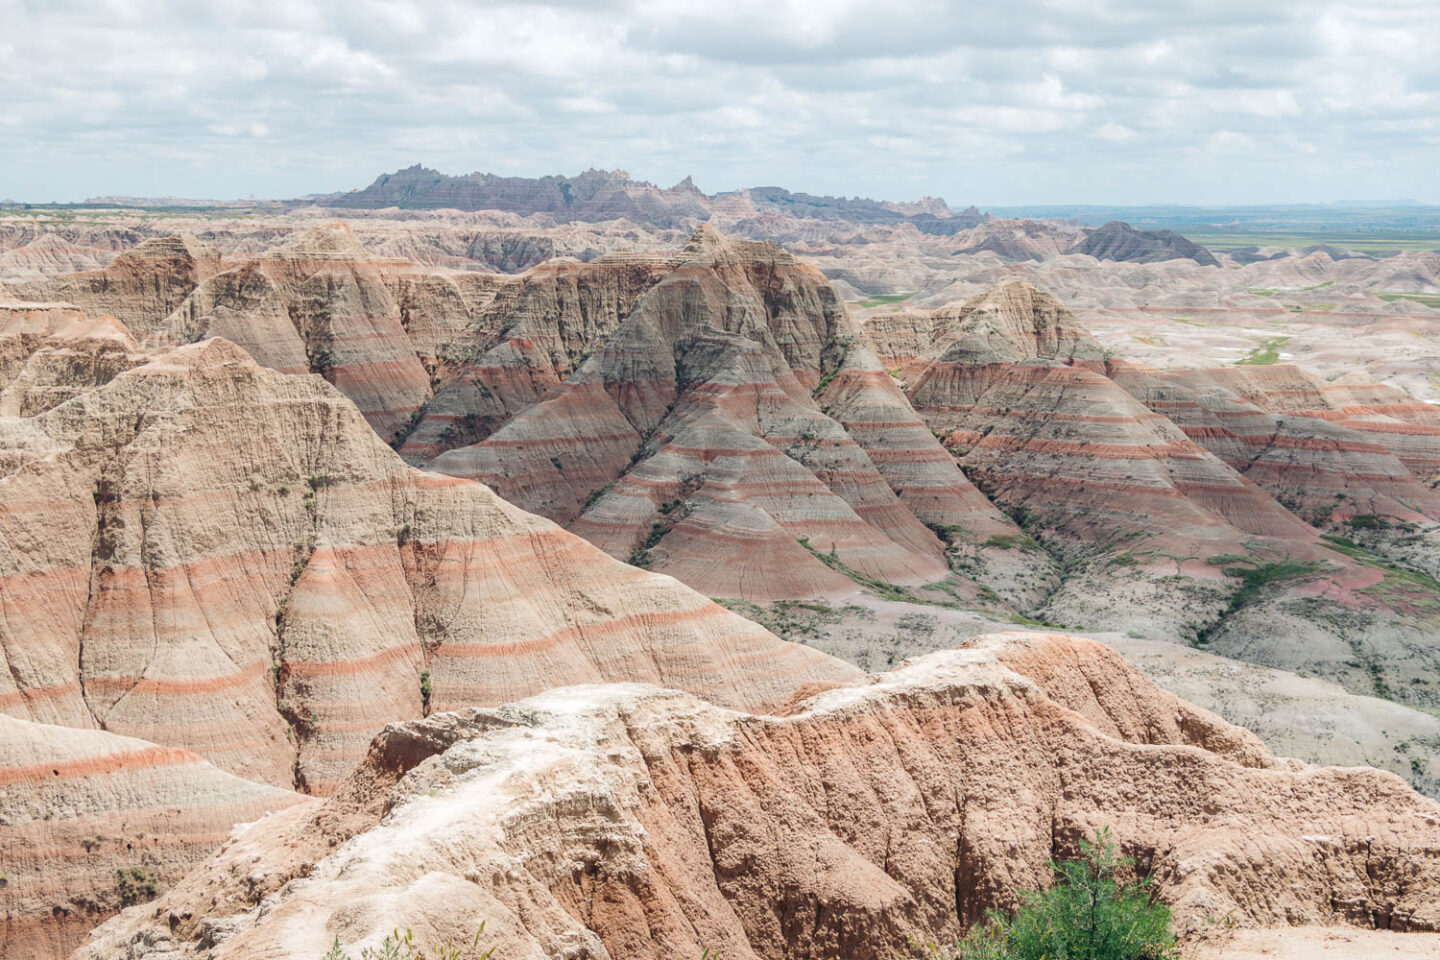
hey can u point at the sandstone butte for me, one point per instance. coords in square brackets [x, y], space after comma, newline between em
[627, 821]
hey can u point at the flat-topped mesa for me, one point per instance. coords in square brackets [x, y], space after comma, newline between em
[625, 821]
[91, 822]
[212, 555]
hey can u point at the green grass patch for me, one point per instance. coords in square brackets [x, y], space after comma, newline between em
[884, 299]
[1265, 354]
[1396, 578]
[1428, 299]
[1011, 541]
[886, 590]
[1256, 578]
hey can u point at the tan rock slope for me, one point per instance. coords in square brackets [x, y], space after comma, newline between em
[215, 556]
[588, 392]
[1170, 533]
[732, 426]
[91, 822]
[1359, 460]
[139, 287]
[50, 352]
[717, 415]
[626, 821]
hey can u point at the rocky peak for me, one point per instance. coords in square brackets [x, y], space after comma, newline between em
[1118, 240]
[710, 247]
[1010, 323]
[333, 241]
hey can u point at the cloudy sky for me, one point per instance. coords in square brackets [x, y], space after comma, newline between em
[998, 102]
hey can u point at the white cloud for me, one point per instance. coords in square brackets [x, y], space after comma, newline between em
[1031, 100]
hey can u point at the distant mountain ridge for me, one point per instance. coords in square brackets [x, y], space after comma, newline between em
[597, 195]
[592, 196]
[769, 213]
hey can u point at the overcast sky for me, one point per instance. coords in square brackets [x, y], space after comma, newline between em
[999, 102]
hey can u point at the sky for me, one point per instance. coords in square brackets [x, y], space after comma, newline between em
[997, 103]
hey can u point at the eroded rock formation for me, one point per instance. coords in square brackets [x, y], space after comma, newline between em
[91, 822]
[216, 556]
[1178, 534]
[624, 821]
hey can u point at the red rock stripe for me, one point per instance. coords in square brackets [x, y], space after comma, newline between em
[635, 622]
[156, 756]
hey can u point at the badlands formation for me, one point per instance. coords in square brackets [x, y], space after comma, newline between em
[626, 821]
[248, 574]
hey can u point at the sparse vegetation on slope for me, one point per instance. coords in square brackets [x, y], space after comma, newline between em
[1267, 353]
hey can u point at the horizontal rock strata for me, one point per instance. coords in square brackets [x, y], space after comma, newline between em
[629, 822]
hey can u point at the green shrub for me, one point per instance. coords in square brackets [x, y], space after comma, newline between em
[1089, 914]
[136, 885]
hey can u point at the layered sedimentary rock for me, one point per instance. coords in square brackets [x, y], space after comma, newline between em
[1346, 463]
[50, 254]
[624, 821]
[319, 304]
[497, 345]
[349, 323]
[212, 555]
[140, 287]
[1016, 240]
[1120, 241]
[52, 352]
[593, 195]
[559, 388]
[91, 822]
[1157, 532]
[731, 412]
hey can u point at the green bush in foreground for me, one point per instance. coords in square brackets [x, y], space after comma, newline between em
[1087, 915]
